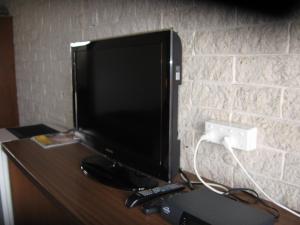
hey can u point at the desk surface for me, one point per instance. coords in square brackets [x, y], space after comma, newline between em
[56, 172]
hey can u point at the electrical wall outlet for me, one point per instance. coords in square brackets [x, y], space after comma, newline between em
[242, 137]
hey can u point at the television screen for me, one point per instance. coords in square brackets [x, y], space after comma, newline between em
[122, 98]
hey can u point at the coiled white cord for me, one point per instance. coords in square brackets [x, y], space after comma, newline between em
[206, 137]
[227, 145]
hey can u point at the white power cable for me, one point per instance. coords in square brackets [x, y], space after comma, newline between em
[205, 137]
[227, 145]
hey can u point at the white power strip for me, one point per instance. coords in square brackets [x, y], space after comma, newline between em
[243, 136]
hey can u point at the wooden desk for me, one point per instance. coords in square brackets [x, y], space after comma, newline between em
[75, 198]
[61, 194]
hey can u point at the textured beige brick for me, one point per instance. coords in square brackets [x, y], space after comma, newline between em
[118, 12]
[214, 162]
[273, 133]
[90, 34]
[271, 38]
[193, 118]
[291, 104]
[286, 194]
[148, 15]
[211, 68]
[103, 31]
[186, 147]
[262, 161]
[262, 100]
[187, 41]
[184, 117]
[90, 13]
[295, 38]
[22, 53]
[64, 16]
[216, 42]
[198, 116]
[129, 16]
[187, 138]
[193, 15]
[185, 92]
[211, 95]
[280, 70]
[61, 51]
[292, 169]
[186, 161]
[186, 67]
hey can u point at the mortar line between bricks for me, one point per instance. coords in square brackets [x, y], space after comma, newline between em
[281, 102]
[288, 38]
[230, 116]
[212, 108]
[282, 166]
[233, 84]
[135, 10]
[232, 94]
[228, 83]
[213, 82]
[193, 53]
[257, 115]
[264, 85]
[233, 69]
[297, 122]
[216, 28]
[272, 149]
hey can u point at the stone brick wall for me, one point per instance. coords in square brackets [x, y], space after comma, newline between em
[237, 66]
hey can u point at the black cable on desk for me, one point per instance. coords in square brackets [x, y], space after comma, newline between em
[232, 193]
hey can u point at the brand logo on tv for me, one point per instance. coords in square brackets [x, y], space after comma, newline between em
[166, 210]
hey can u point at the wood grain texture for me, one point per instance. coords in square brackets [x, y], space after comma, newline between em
[57, 174]
[8, 93]
[31, 206]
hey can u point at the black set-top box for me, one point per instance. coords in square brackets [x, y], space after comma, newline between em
[204, 207]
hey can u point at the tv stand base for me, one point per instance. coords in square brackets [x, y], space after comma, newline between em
[115, 174]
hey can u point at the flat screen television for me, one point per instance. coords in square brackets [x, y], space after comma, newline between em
[125, 100]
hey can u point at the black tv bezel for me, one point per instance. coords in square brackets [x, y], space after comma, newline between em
[169, 151]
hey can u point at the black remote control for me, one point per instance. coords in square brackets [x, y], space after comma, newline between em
[142, 196]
